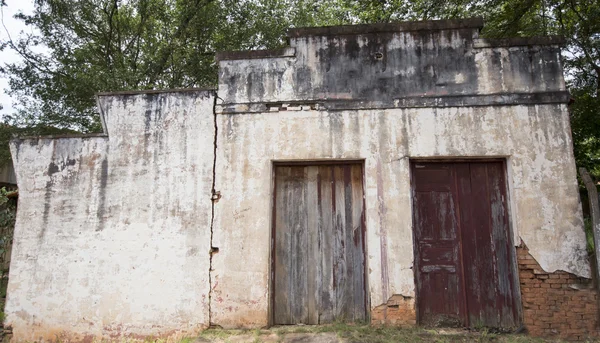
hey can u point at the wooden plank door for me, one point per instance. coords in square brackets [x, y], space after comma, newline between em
[318, 244]
[488, 269]
[462, 245]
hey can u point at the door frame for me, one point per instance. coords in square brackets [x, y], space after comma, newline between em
[316, 162]
[518, 306]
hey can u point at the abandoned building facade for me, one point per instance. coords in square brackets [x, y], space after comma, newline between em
[402, 174]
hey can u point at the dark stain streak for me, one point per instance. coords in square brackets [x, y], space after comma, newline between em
[102, 195]
[54, 168]
[147, 131]
[47, 201]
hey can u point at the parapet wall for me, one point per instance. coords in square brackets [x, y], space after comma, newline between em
[420, 64]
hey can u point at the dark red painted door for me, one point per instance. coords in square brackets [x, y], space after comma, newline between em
[463, 263]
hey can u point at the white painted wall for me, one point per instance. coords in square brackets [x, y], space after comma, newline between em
[113, 233]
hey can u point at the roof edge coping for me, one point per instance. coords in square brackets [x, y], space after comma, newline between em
[73, 135]
[156, 91]
[255, 54]
[479, 43]
[405, 26]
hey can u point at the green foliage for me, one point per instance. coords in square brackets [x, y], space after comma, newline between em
[589, 236]
[8, 213]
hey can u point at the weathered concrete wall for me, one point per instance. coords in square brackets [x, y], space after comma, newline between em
[375, 94]
[113, 233]
[376, 67]
[534, 139]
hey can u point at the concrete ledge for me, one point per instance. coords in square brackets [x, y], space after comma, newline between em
[518, 41]
[450, 24]
[156, 91]
[255, 54]
[74, 135]
[504, 99]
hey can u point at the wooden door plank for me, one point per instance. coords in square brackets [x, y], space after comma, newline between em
[348, 245]
[358, 243]
[326, 205]
[485, 241]
[340, 269]
[505, 301]
[281, 309]
[297, 221]
[313, 253]
[480, 276]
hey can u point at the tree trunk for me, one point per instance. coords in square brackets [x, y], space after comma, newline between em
[595, 212]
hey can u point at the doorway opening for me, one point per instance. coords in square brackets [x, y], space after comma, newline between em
[318, 244]
[464, 258]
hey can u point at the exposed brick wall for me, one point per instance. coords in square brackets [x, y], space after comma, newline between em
[398, 310]
[556, 304]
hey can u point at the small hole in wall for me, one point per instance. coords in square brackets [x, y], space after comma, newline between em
[378, 55]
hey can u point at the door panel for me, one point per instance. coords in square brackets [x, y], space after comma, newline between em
[486, 243]
[473, 263]
[438, 265]
[318, 239]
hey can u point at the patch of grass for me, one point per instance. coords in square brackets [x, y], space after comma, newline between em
[223, 333]
[363, 332]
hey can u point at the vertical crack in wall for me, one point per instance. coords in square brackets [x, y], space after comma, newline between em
[215, 195]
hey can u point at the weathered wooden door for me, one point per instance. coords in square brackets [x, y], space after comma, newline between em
[463, 260]
[318, 244]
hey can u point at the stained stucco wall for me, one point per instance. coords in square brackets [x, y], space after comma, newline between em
[113, 233]
[535, 141]
[386, 94]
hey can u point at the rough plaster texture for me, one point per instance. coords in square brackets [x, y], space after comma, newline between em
[393, 69]
[385, 98]
[534, 139]
[113, 233]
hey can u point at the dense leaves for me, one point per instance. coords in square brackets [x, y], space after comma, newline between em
[82, 47]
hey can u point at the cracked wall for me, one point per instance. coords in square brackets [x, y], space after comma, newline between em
[162, 226]
[535, 139]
